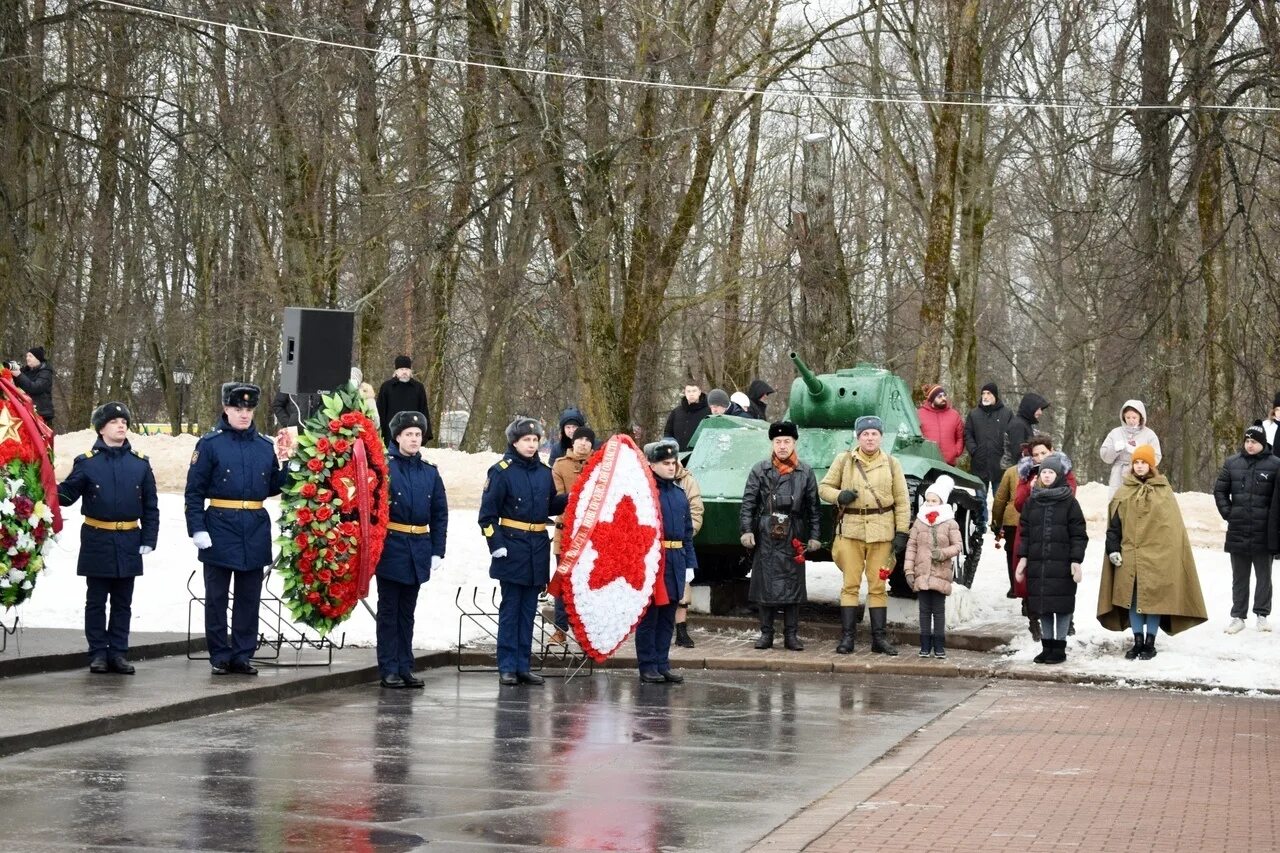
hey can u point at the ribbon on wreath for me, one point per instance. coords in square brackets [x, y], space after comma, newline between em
[364, 507]
[41, 437]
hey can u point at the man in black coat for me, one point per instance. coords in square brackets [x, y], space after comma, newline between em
[36, 378]
[684, 418]
[1021, 427]
[1249, 502]
[402, 393]
[293, 410]
[121, 523]
[984, 431]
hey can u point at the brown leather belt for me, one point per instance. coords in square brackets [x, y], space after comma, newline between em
[224, 503]
[873, 511]
[523, 525]
[111, 525]
[416, 529]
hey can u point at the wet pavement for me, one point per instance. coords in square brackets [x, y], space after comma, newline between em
[599, 762]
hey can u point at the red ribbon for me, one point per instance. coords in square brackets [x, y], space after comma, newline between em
[363, 509]
[41, 437]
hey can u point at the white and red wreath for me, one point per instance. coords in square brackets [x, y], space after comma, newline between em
[613, 554]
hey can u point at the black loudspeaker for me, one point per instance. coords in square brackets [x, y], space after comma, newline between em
[315, 352]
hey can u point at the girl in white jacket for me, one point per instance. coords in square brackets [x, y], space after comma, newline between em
[1117, 448]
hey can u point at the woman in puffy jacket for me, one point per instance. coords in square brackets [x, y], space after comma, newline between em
[1117, 448]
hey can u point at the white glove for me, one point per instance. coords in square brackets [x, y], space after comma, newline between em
[1116, 559]
[499, 554]
[144, 550]
[1121, 445]
[202, 540]
[1077, 573]
[435, 563]
[688, 576]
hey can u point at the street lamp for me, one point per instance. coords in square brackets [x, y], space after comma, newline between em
[182, 378]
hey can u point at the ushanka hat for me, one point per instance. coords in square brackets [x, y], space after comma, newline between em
[108, 412]
[521, 427]
[242, 395]
[402, 421]
[783, 428]
[867, 422]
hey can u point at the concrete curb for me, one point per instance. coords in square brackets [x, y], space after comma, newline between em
[60, 661]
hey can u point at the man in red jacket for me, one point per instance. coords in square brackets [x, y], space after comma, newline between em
[942, 424]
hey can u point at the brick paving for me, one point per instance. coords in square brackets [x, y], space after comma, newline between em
[1055, 767]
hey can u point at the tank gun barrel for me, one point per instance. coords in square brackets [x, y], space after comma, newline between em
[817, 388]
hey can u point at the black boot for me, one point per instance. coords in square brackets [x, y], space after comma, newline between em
[849, 619]
[1148, 648]
[879, 635]
[1043, 657]
[1057, 651]
[1139, 643]
[791, 628]
[682, 636]
[766, 628]
[1033, 625]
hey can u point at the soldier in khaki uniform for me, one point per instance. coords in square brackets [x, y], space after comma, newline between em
[873, 515]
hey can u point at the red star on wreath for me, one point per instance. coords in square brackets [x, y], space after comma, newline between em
[620, 546]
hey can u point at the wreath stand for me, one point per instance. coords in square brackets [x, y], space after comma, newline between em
[6, 631]
[552, 660]
[274, 631]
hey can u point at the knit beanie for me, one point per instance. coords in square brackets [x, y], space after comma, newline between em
[1147, 454]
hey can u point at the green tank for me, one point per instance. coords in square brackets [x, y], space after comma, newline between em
[824, 407]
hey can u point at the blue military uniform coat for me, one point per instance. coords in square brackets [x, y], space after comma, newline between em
[234, 465]
[417, 497]
[677, 526]
[522, 490]
[116, 484]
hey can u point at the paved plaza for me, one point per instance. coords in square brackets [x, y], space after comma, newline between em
[731, 760]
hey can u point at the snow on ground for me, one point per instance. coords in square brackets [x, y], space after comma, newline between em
[1203, 655]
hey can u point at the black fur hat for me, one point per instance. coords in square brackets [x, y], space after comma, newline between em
[661, 451]
[521, 427]
[109, 412]
[242, 395]
[783, 428]
[402, 421]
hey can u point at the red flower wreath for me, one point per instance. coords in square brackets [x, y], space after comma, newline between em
[328, 546]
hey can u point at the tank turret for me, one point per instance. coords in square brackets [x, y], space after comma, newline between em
[836, 400]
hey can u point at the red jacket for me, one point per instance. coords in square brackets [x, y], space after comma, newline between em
[945, 428]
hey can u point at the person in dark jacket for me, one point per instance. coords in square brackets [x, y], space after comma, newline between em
[571, 420]
[35, 377]
[780, 509]
[414, 547]
[1051, 546]
[519, 496]
[234, 468]
[1271, 425]
[1022, 426]
[293, 410]
[653, 632]
[756, 393]
[984, 431]
[685, 417]
[1249, 502]
[402, 393]
[121, 523]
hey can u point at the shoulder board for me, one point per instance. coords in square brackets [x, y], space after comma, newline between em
[138, 453]
[504, 464]
[86, 455]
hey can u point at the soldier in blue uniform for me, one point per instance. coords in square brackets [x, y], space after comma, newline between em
[653, 634]
[234, 468]
[414, 546]
[519, 496]
[121, 522]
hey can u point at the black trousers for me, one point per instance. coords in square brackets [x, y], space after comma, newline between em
[933, 616]
[244, 613]
[1240, 566]
[108, 637]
